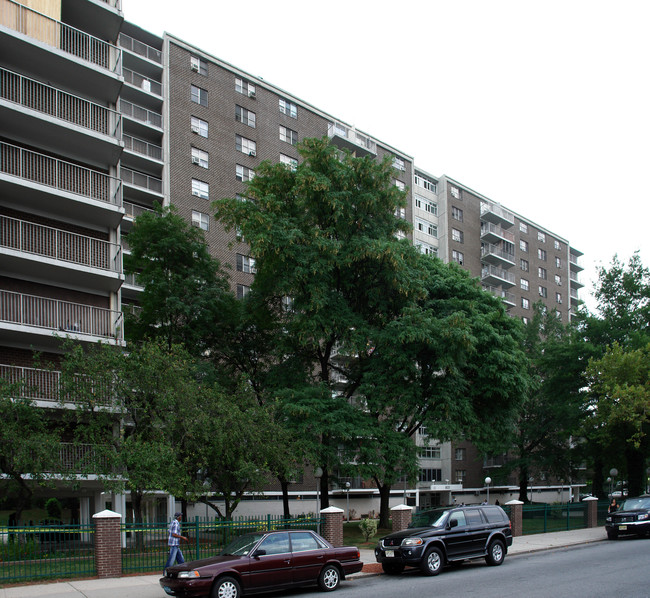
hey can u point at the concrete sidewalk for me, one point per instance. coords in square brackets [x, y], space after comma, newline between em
[146, 586]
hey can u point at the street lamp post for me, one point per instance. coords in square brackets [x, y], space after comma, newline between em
[347, 500]
[614, 472]
[488, 481]
[609, 481]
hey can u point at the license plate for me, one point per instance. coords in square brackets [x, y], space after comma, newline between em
[623, 527]
[390, 554]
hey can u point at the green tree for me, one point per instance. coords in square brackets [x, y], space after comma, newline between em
[186, 295]
[330, 270]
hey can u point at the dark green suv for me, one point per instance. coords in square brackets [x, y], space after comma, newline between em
[447, 535]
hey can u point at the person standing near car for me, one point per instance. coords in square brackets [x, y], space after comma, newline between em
[613, 507]
[174, 541]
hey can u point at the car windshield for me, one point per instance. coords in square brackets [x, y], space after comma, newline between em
[632, 504]
[243, 545]
[434, 518]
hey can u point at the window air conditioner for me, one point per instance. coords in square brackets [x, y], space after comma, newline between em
[251, 94]
[196, 193]
[252, 153]
[195, 67]
[196, 160]
[195, 129]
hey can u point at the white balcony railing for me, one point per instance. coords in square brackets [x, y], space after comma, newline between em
[81, 458]
[139, 179]
[494, 272]
[143, 115]
[142, 82]
[142, 147]
[60, 104]
[336, 129]
[61, 36]
[64, 176]
[62, 316]
[489, 249]
[139, 48]
[487, 228]
[59, 245]
[132, 211]
[501, 213]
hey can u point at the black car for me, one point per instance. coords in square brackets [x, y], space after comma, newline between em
[451, 534]
[632, 517]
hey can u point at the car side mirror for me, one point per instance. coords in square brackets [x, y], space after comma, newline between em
[259, 553]
[453, 523]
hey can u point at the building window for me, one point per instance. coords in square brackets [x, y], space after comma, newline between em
[543, 292]
[523, 245]
[523, 227]
[523, 283]
[245, 116]
[429, 452]
[399, 164]
[558, 297]
[400, 185]
[400, 213]
[427, 249]
[426, 204]
[558, 262]
[458, 257]
[457, 214]
[460, 454]
[425, 183]
[199, 157]
[558, 280]
[523, 264]
[292, 163]
[457, 235]
[198, 95]
[541, 272]
[541, 237]
[455, 192]
[525, 303]
[242, 291]
[198, 126]
[288, 108]
[525, 320]
[244, 174]
[243, 86]
[198, 65]
[557, 245]
[430, 475]
[288, 135]
[201, 220]
[541, 254]
[245, 263]
[461, 474]
[200, 189]
[426, 227]
[245, 146]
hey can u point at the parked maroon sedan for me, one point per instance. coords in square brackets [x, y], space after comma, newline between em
[264, 561]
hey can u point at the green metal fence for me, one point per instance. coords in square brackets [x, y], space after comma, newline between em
[52, 550]
[542, 518]
[146, 543]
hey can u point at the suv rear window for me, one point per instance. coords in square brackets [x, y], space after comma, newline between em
[494, 514]
[473, 516]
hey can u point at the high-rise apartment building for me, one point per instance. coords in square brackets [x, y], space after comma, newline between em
[100, 120]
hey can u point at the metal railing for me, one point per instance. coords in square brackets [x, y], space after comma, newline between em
[488, 227]
[131, 280]
[139, 48]
[488, 271]
[507, 296]
[491, 249]
[59, 35]
[49, 100]
[142, 147]
[55, 173]
[80, 458]
[139, 179]
[132, 210]
[543, 518]
[143, 115]
[351, 134]
[142, 82]
[59, 245]
[497, 210]
[63, 316]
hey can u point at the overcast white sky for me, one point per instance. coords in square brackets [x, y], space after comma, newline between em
[543, 106]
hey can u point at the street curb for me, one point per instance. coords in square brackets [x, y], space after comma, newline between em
[543, 548]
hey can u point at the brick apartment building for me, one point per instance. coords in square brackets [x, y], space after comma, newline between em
[100, 120]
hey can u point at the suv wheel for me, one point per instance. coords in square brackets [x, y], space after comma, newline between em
[496, 553]
[612, 534]
[432, 562]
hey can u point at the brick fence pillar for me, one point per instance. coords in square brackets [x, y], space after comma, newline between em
[333, 527]
[108, 547]
[592, 511]
[401, 517]
[516, 517]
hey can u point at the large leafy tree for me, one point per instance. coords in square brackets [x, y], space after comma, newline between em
[330, 270]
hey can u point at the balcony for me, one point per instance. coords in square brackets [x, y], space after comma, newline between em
[493, 254]
[491, 275]
[42, 115]
[81, 458]
[132, 211]
[46, 184]
[52, 49]
[494, 213]
[27, 317]
[575, 281]
[140, 114]
[102, 18]
[574, 261]
[60, 256]
[143, 83]
[350, 139]
[132, 288]
[493, 233]
[508, 298]
[143, 153]
[139, 48]
[142, 187]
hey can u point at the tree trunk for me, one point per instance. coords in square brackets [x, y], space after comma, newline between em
[136, 498]
[598, 481]
[523, 484]
[324, 490]
[284, 484]
[635, 471]
[384, 505]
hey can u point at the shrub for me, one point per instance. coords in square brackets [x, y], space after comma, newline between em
[368, 528]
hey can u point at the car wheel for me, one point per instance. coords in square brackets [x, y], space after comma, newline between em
[432, 562]
[329, 578]
[392, 568]
[612, 534]
[496, 553]
[226, 587]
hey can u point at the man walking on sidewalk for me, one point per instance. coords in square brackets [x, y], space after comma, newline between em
[174, 541]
